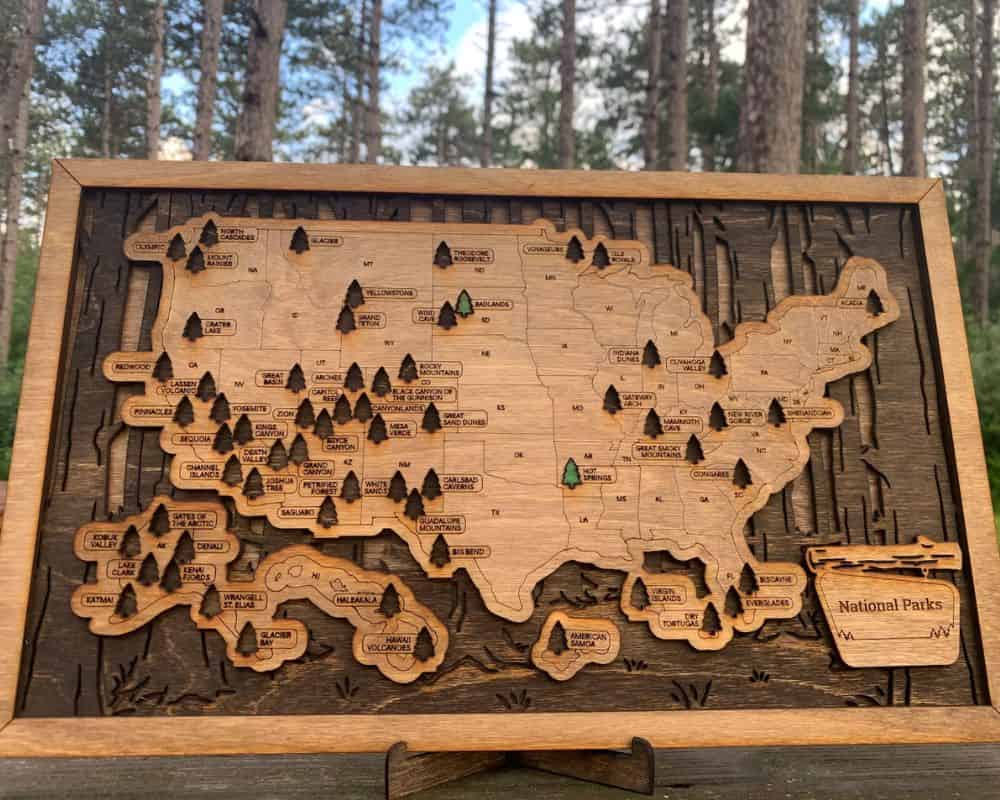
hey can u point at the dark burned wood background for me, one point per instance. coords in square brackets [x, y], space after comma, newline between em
[882, 477]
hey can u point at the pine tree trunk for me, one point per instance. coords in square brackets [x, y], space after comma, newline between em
[374, 122]
[211, 33]
[359, 70]
[12, 193]
[967, 243]
[984, 171]
[712, 87]
[885, 137]
[107, 108]
[851, 151]
[262, 86]
[675, 157]
[153, 99]
[567, 79]
[651, 112]
[770, 131]
[486, 154]
[914, 108]
[810, 129]
[17, 76]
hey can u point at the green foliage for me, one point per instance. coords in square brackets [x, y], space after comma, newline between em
[984, 346]
[442, 122]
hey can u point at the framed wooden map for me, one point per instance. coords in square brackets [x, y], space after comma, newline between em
[329, 458]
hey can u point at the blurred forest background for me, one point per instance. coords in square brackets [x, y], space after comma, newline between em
[883, 87]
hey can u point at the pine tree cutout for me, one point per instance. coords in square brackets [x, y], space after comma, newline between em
[342, 413]
[397, 488]
[414, 505]
[446, 317]
[725, 332]
[389, 606]
[748, 580]
[423, 649]
[277, 458]
[463, 305]
[639, 599]
[176, 250]
[652, 427]
[159, 523]
[131, 545]
[431, 487]
[354, 381]
[873, 305]
[220, 409]
[710, 622]
[734, 603]
[775, 413]
[171, 580]
[439, 552]
[253, 487]
[246, 644]
[211, 602]
[196, 261]
[377, 431]
[184, 551]
[232, 474]
[163, 370]
[363, 408]
[324, 425]
[741, 475]
[557, 639]
[355, 296]
[612, 402]
[442, 256]
[300, 241]
[717, 418]
[296, 379]
[574, 251]
[693, 453]
[209, 234]
[149, 572]
[381, 386]
[327, 514]
[650, 355]
[192, 328]
[571, 474]
[127, 605]
[601, 258]
[223, 441]
[184, 413]
[408, 369]
[243, 431]
[717, 365]
[298, 453]
[206, 388]
[350, 489]
[432, 420]
[305, 415]
[345, 320]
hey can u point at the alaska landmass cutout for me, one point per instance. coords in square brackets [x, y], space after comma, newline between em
[505, 398]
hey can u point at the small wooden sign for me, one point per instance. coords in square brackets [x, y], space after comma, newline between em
[332, 458]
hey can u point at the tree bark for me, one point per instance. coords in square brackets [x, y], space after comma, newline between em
[914, 108]
[676, 154]
[651, 112]
[967, 243]
[770, 131]
[486, 153]
[8, 245]
[107, 107]
[851, 150]
[359, 68]
[18, 75]
[208, 76]
[154, 105]
[567, 78]
[810, 130]
[712, 87]
[262, 86]
[374, 122]
[984, 171]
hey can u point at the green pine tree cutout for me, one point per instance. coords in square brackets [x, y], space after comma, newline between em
[571, 474]
[463, 305]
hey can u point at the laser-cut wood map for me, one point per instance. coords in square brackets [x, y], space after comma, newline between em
[504, 398]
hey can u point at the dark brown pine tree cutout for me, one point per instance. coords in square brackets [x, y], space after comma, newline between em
[350, 489]
[159, 523]
[748, 581]
[652, 427]
[355, 296]
[223, 441]
[232, 475]
[296, 379]
[131, 545]
[342, 413]
[397, 488]
[243, 432]
[775, 413]
[717, 418]
[639, 598]
[725, 332]
[253, 487]
[209, 234]
[171, 580]
[184, 413]
[557, 640]
[324, 425]
[246, 645]
[381, 386]
[345, 320]
[184, 551]
[196, 261]
[389, 605]
[176, 250]
[277, 458]
[612, 402]
[192, 328]
[298, 453]
[447, 318]
[377, 431]
[440, 555]
[601, 258]
[206, 388]
[408, 369]
[693, 453]
[650, 355]
[149, 572]
[163, 370]
[734, 603]
[354, 381]
[300, 241]
[741, 475]
[327, 514]
[442, 256]
[873, 305]
[423, 649]
[126, 606]
[414, 505]
[363, 408]
[710, 622]
[211, 603]
[717, 365]
[574, 251]
[220, 409]
[432, 420]
[305, 415]
[431, 488]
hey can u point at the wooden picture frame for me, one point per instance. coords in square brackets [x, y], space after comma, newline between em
[220, 735]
